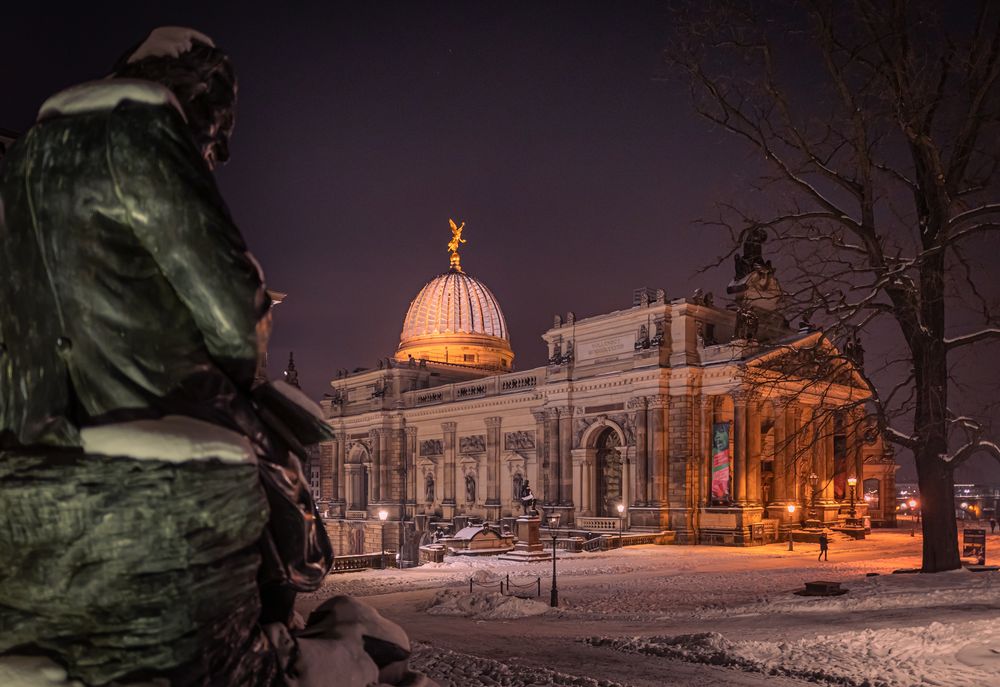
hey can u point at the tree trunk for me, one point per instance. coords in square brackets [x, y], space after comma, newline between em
[937, 507]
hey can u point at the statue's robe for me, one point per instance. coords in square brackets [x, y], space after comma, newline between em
[127, 290]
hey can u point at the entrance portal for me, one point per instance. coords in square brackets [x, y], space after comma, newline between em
[609, 474]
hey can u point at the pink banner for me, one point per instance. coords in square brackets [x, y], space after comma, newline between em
[720, 461]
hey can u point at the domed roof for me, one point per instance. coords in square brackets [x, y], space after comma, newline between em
[454, 303]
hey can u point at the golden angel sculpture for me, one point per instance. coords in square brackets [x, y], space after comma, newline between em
[456, 240]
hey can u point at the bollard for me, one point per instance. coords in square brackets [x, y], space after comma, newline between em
[470, 585]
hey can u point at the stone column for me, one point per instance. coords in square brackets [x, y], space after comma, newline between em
[493, 467]
[341, 468]
[376, 468]
[385, 476]
[450, 450]
[540, 488]
[793, 428]
[641, 453]
[705, 448]
[780, 465]
[754, 452]
[410, 469]
[855, 444]
[658, 459]
[566, 456]
[552, 453]
[739, 448]
[828, 456]
[327, 471]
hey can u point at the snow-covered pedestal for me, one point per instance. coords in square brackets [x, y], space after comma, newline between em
[529, 547]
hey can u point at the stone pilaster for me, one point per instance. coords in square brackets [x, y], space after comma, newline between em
[541, 488]
[450, 450]
[552, 453]
[754, 457]
[341, 467]
[566, 456]
[641, 452]
[385, 475]
[493, 467]
[659, 454]
[740, 448]
[376, 467]
[410, 471]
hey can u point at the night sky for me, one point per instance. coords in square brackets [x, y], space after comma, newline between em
[362, 128]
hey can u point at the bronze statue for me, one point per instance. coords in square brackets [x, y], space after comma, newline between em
[130, 304]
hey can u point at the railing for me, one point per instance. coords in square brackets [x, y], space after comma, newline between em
[477, 388]
[513, 588]
[362, 562]
[518, 383]
[599, 524]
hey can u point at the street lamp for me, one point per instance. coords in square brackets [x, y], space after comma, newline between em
[791, 512]
[553, 526]
[383, 515]
[912, 503]
[853, 482]
[813, 481]
[621, 517]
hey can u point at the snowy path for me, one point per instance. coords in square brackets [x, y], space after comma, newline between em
[672, 615]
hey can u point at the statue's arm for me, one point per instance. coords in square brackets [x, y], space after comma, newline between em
[174, 207]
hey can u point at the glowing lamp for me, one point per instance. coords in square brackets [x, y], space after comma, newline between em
[621, 508]
[852, 480]
[913, 503]
[383, 515]
[791, 507]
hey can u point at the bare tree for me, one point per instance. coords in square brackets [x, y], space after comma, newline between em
[877, 122]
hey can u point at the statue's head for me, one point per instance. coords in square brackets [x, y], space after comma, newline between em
[200, 76]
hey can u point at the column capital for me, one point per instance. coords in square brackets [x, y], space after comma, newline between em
[449, 426]
[658, 401]
[411, 432]
[493, 422]
[374, 433]
[637, 402]
[539, 415]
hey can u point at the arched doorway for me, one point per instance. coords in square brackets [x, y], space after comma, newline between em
[609, 473]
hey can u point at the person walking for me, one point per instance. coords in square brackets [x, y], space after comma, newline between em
[824, 547]
[993, 525]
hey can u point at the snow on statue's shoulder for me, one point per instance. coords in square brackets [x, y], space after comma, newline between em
[298, 397]
[173, 439]
[106, 94]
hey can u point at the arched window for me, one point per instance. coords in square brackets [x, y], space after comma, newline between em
[871, 488]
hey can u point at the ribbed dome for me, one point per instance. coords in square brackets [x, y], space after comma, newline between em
[454, 303]
[456, 311]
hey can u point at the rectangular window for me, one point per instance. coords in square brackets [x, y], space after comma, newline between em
[470, 357]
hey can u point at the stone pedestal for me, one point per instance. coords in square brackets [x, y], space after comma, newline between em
[529, 547]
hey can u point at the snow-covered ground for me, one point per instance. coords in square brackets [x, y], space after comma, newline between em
[661, 615]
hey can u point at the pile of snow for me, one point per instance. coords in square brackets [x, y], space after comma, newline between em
[938, 654]
[457, 669]
[484, 606]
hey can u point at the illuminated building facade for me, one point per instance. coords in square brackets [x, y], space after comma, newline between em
[687, 412]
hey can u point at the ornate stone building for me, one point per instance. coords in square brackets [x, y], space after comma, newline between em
[703, 420]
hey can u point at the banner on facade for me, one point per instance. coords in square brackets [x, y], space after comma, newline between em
[720, 461]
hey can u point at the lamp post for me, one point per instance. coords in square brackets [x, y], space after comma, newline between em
[621, 516]
[553, 525]
[852, 481]
[912, 503]
[383, 515]
[791, 512]
[813, 481]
